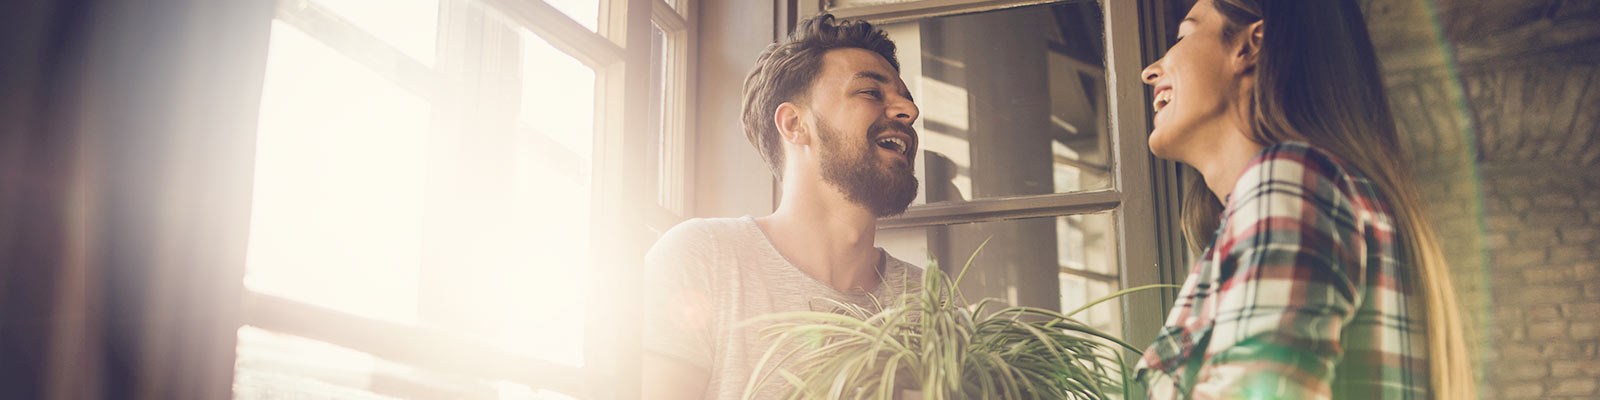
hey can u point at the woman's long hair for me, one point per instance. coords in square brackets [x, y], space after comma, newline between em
[1317, 80]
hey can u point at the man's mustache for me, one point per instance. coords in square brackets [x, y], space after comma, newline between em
[878, 128]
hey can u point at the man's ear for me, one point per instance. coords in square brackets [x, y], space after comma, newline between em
[1249, 45]
[790, 121]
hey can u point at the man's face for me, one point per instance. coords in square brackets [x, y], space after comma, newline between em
[863, 115]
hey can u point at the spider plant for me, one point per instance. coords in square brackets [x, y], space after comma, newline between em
[935, 342]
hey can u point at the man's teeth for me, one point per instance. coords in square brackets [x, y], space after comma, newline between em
[896, 144]
[1162, 100]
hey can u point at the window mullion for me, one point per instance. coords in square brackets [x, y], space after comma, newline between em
[675, 122]
[912, 10]
[561, 31]
[997, 209]
[679, 144]
[665, 17]
[621, 234]
[363, 47]
[1138, 241]
[413, 345]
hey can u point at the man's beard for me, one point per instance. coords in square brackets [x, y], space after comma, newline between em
[861, 176]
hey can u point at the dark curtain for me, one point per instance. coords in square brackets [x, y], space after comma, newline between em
[126, 135]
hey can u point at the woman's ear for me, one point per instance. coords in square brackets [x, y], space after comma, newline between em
[1249, 47]
[790, 121]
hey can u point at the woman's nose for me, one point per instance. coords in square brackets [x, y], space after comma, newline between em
[1152, 73]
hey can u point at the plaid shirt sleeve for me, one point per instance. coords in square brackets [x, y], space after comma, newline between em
[1279, 285]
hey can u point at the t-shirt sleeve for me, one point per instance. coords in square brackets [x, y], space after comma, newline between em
[678, 305]
[1291, 260]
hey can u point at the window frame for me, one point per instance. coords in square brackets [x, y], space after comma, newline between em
[612, 341]
[1144, 192]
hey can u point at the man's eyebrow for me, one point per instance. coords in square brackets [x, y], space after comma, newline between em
[877, 77]
[871, 75]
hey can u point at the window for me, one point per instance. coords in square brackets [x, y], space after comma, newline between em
[1033, 130]
[443, 191]
[1056, 262]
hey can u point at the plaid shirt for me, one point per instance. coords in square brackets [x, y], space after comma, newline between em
[1301, 295]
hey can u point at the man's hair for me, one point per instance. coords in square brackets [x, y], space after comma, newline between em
[785, 71]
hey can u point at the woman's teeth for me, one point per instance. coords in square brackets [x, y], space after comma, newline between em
[1162, 99]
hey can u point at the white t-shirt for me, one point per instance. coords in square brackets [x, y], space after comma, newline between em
[706, 276]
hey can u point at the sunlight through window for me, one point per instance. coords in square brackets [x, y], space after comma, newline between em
[436, 212]
[338, 201]
[428, 167]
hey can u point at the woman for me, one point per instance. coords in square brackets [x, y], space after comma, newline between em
[1322, 279]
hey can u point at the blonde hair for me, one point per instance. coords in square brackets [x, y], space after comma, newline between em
[1317, 80]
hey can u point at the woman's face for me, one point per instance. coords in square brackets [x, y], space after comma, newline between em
[1197, 88]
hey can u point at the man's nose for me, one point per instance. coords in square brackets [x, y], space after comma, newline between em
[903, 110]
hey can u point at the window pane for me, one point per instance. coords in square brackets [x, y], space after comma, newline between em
[586, 12]
[1077, 291]
[1079, 251]
[557, 95]
[338, 200]
[1034, 124]
[409, 25]
[1088, 243]
[510, 214]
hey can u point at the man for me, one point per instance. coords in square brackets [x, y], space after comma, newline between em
[828, 112]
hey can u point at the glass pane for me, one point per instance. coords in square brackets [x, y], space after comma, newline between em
[586, 12]
[271, 365]
[657, 146]
[510, 213]
[1021, 257]
[1034, 124]
[339, 182]
[557, 95]
[409, 25]
[1086, 243]
[1077, 291]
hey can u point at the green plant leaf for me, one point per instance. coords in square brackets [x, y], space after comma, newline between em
[1119, 293]
[933, 340]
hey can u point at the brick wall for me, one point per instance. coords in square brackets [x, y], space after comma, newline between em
[1522, 237]
[1543, 237]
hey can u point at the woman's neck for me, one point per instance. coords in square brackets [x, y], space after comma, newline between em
[1223, 163]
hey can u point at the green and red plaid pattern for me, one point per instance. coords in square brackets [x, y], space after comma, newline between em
[1302, 296]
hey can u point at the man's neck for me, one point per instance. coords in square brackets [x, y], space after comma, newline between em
[827, 237]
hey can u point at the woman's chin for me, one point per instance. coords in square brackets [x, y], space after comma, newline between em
[1159, 146]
